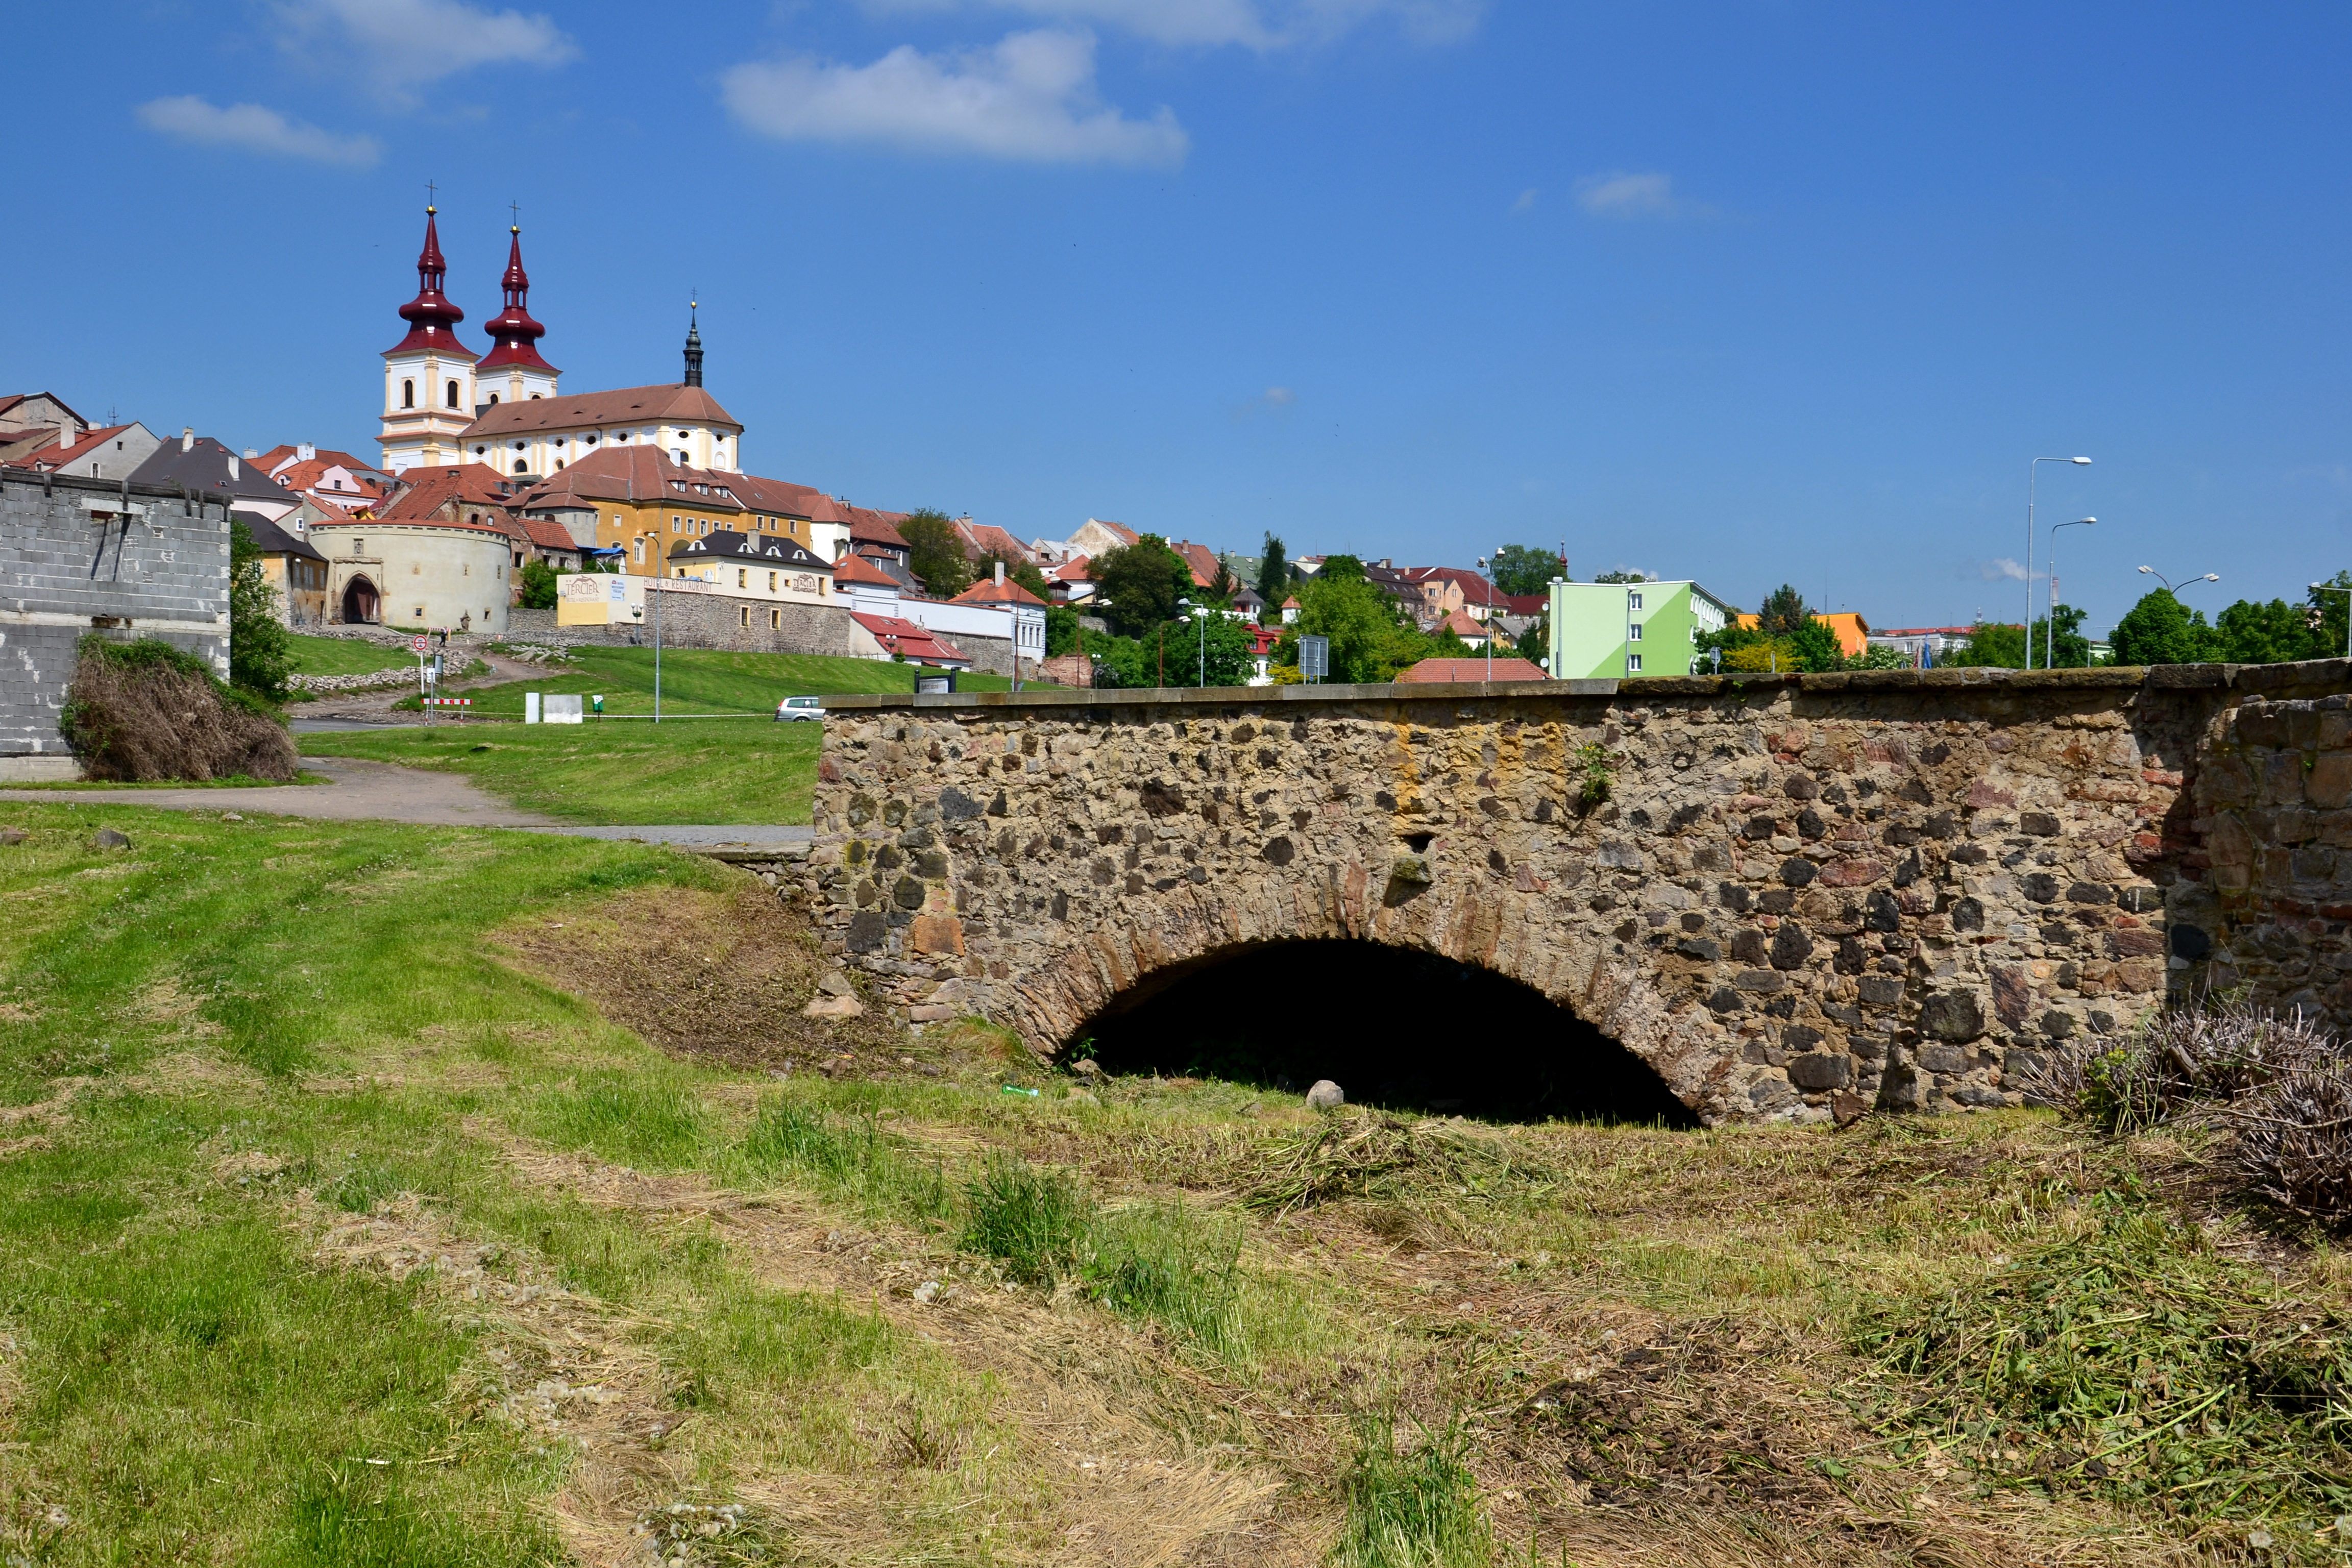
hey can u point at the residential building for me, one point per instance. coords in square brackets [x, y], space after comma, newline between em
[210, 468]
[767, 567]
[294, 567]
[335, 478]
[638, 500]
[32, 420]
[1853, 632]
[1098, 535]
[1926, 645]
[1472, 631]
[1466, 670]
[108, 452]
[1024, 612]
[983, 540]
[1615, 630]
[898, 638]
[1072, 582]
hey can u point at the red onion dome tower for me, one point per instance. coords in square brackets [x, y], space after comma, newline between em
[431, 318]
[513, 334]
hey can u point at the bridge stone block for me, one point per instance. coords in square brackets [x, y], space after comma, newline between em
[1977, 863]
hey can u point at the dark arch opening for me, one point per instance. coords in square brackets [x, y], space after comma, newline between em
[1395, 1028]
[359, 602]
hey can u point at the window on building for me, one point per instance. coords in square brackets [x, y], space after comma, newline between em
[420, 615]
[521, 466]
[1632, 601]
[408, 394]
[449, 395]
[641, 549]
[771, 582]
[1633, 661]
[1633, 632]
[747, 618]
[494, 400]
[743, 580]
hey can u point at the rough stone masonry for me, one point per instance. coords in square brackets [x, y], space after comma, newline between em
[79, 555]
[1801, 896]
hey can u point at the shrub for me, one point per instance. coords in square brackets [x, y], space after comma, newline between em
[145, 712]
[2183, 1061]
[2294, 1143]
[1033, 1222]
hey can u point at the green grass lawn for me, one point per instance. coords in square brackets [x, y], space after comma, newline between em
[344, 656]
[715, 771]
[699, 681]
[347, 1218]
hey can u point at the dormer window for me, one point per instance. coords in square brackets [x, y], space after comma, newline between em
[494, 400]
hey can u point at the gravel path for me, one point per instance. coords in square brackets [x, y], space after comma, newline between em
[363, 790]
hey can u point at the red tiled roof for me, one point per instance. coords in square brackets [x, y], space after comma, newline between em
[54, 457]
[1464, 625]
[627, 405]
[1468, 669]
[1071, 571]
[906, 637]
[1926, 632]
[854, 568]
[1200, 558]
[1523, 604]
[461, 484]
[986, 538]
[867, 526]
[989, 591]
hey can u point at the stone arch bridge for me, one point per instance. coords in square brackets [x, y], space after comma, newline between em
[1799, 896]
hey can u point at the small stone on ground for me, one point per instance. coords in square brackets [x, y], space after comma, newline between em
[1326, 1096]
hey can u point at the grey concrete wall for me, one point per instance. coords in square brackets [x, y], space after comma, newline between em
[706, 621]
[80, 555]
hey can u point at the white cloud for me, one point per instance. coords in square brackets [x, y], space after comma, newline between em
[255, 129]
[1279, 398]
[1526, 204]
[1632, 196]
[402, 45]
[2002, 569]
[1030, 98]
[1251, 24]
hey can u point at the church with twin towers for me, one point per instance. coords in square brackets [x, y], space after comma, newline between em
[445, 406]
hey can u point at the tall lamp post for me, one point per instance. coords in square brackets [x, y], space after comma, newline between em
[2050, 632]
[2331, 589]
[1486, 565]
[2185, 582]
[2032, 470]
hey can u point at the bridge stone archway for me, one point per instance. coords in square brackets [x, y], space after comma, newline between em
[1798, 896]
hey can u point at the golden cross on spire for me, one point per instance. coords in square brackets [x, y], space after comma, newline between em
[515, 208]
[431, 190]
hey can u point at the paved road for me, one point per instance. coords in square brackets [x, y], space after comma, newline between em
[363, 790]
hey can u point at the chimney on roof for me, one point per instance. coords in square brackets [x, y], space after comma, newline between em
[306, 452]
[232, 464]
[187, 437]
[251, 452]
[1000, 573]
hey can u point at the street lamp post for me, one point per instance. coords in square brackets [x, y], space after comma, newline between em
[2330, 588]
[2050, 632]
[2152, 571]
[1193, 612]
[2032, 470]
[1486, 565]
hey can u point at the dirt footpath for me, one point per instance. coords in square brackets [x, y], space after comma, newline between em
[361, 790]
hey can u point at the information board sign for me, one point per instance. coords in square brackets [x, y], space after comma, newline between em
[1314, 658]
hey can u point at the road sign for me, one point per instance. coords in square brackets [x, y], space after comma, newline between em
[1314, 658]
[416, 645]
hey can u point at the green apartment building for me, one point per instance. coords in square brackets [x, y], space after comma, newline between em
[1615, 630]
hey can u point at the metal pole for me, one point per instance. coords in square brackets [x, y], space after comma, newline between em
[1204, 651]
[2050, 629]
[656, 654]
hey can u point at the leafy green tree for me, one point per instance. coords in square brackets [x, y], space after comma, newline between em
[1371, 639]
[1524, 569]
[1139, 583]
[1992, 647]
[935, 552]
[1274, 575]
[537, 581]
[260, 656]
[1225, 642]
[2066, 647]
[1816, 646]
[2275, 633]
[1879, 657]
[1784, 614]
[2160, 629]
[1624, 575]
[2328, 610]
[1534, 645]
[1061, 631]
[1023, 571]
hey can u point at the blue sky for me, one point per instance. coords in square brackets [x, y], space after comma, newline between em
[1745, 292]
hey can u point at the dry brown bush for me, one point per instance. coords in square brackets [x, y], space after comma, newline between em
[144, 712]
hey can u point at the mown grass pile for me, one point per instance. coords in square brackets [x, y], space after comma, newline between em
[1357, 1153]
[2133, 1362]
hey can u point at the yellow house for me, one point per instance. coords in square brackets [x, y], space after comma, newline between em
[638, 501]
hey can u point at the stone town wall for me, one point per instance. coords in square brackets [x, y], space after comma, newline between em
[710, 621]
[2264, 905]
[79, 555]
[1803, 895]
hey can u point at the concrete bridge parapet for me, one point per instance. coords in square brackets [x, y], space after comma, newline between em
[1792, 896]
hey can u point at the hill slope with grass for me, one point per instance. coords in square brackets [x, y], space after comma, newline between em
[702, 680]
[390, 1194]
